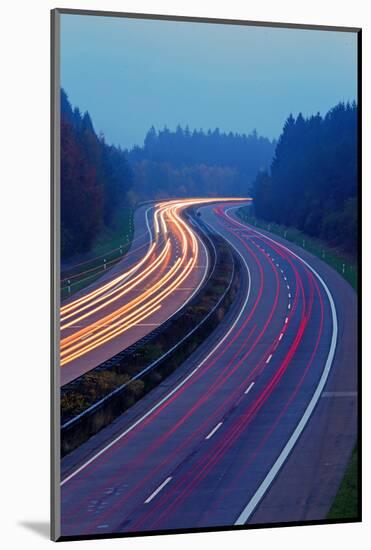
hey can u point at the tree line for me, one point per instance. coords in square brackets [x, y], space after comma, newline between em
[95, 180]
[185, 162]
[308, 179]
[312, 181]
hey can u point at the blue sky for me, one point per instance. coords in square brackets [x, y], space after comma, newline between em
[131, 74]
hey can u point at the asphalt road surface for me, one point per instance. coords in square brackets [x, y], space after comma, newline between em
[256, 426]
[157, 276]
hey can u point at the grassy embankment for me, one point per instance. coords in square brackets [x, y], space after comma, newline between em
[345, 505]
[343, 264]
[109, 247]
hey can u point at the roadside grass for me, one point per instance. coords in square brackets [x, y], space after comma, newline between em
[110, 246]
[347, 267]
[345, 505]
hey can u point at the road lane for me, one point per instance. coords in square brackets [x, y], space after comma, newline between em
[138, 294]
[255, 387]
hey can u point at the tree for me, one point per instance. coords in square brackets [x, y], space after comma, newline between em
[166, 152]
[312, 183]
[95, 178]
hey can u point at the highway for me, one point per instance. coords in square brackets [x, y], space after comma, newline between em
[162, 271]
[258, 423]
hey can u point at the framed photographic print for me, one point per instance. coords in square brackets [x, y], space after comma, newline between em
[206, 187]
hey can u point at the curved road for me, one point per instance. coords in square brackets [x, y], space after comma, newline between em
[257, 425]
[166, 267]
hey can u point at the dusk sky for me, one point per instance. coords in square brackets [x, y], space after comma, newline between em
[132, 74]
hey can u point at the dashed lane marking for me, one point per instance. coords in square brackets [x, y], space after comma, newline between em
[213, 430]
[339, 394]
[152, 496]
[249, 388]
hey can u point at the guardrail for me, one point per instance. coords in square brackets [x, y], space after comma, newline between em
[128, 352]
[76, 430]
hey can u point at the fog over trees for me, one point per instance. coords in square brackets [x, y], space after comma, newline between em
[185, 162]
[312, 182]
[307, 179]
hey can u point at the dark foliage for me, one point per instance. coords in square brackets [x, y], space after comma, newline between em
[197, 163]
[95, 178]
[312, 184]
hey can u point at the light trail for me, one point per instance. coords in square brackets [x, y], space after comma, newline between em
[122, 303]
[117, 313]
[116, 292]
[86, 298]
[144, 313]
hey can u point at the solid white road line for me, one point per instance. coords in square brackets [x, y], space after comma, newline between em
[174, 390]
[263, 488]
[249, 388]
[213, 430]
[206, 269]
[152, 496]
[128, 277]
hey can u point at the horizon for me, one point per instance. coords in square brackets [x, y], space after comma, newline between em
[275, 72]
[205, 131]
[174, 129]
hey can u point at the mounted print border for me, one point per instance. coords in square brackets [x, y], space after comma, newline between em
[205, 284]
